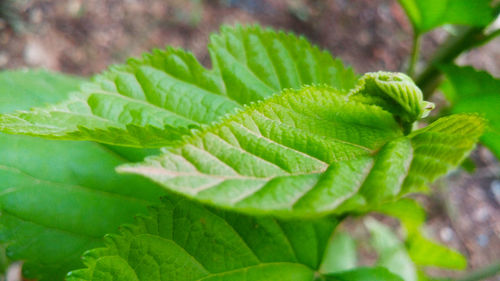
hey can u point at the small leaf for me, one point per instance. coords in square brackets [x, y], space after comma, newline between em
[182, 240]
[428, 14]
[154, 101]
[425, 252]
[470, 90]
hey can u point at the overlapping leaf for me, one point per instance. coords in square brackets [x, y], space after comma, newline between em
[153, 101]
[470, 90]
[58, 199]
[428, 14]
[182, 240]
[314, 151]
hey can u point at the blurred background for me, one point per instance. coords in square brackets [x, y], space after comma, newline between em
[84, 37]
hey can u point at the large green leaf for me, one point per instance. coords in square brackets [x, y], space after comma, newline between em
[314, 151]
[153, 101]
[182, 240]
[59, 199]
[428, 14]
[470, 90]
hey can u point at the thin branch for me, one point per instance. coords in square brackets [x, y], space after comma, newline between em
[467, 38]
[414, 54]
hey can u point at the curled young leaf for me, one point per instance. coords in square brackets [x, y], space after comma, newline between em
[396, 93]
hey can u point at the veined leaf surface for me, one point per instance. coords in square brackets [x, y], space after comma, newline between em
[216, 246]
[153, 101]
[313, 151]
[440, 147]
[58, 199]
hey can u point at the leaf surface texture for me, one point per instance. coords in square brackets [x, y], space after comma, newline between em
[182, 240]
[153, 101]
[310, 152]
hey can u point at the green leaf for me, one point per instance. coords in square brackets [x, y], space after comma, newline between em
[364, 274]
[185, 241]
[391, 251]
[440, 147]
[428, 14]
[305, 153]
[470, 90]
[340, 254]
[281, 156]
[59, 199]
[153, 101]
[22, 89]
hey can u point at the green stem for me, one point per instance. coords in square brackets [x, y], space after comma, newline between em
[467, 38]
[429, 79]
[482, 273]
[414, 54]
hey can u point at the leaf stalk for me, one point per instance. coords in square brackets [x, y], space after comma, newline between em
[415, 53]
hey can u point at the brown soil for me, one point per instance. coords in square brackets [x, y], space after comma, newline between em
[84, 37]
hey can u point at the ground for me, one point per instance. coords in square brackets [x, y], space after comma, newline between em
[84, 37]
